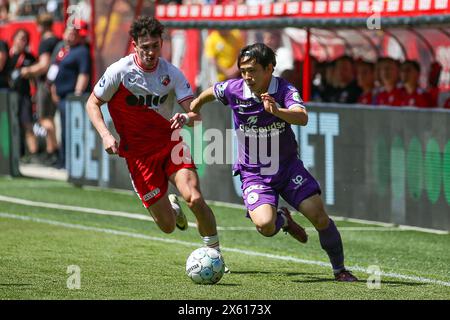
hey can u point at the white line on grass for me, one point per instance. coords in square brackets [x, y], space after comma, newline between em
[392, 226]
[138, 216]
[192, 244]
[345, 219]
[236, 206]
[377, 229]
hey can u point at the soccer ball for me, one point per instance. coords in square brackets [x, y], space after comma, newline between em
[205, 266]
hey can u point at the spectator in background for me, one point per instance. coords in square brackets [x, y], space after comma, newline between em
[390, 92]
[327, 85]
[285, 60]
[318, 81]
[4, 57]
[72, 76]
[19, 57]
[347, 90]
[45, 107]
[433, 82]
[222, 48]
[286, 68]
[4, 11]
[365, 77]
[413, 94]
[323, 81]
[446, 104]
[13, 8]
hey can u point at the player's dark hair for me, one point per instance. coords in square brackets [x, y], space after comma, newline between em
[412, 63]
[146, 26]
[261, 53]
[389, 60]
[368, 64]
[345, 58]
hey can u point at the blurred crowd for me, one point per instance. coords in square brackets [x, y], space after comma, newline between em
[63, 67]
[11, 10]
[387, 82]
[42, 83]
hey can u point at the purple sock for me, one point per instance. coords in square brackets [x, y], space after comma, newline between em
[279, 222]
[331, 242]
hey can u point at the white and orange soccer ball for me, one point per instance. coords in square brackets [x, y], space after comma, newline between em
[205, 266]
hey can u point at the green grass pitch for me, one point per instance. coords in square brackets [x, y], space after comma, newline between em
[126, 258]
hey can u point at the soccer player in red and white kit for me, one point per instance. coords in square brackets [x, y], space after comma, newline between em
[139, 91]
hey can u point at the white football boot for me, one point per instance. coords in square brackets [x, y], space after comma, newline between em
[181, 220]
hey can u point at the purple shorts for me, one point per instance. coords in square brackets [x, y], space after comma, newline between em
[292, 182]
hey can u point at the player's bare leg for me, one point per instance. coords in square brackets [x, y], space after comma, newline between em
[268, 221]
[163, 214]
[187, 182]
[313, 209]
[264, 217]
[330, 239]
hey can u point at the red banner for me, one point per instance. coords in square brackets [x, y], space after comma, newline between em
[309, 9]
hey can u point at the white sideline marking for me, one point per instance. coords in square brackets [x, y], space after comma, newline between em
[336, 218]
[138, 216]
[393, 226]
[192, 244]
[377, 229]
[74, 208]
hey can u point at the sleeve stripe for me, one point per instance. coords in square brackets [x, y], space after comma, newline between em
[215, 94]
[296, 105]
[99, 98]
[185, 98]
[220, 99]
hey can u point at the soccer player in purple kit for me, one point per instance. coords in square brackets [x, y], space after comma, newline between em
[265, 107]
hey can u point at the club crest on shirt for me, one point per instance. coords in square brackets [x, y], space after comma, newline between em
[252, 198]
[296, 97]
[165, 80]
[102, 82]
[220, 89]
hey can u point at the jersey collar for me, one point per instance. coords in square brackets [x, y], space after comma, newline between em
[136, 61]
[273, 88]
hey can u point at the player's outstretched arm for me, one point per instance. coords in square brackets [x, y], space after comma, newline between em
[204, 97]
[188, 118]
[93, 106]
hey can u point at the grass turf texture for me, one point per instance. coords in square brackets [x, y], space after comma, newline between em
[34, 256]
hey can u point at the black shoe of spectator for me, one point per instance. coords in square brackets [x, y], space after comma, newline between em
[30, 159]
[50, 159]
[59, 164]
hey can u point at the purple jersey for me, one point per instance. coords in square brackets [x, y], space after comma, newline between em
[264, 139]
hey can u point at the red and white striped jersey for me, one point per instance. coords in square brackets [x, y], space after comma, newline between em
[141, 101]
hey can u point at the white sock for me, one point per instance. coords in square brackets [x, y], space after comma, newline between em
[212, 242]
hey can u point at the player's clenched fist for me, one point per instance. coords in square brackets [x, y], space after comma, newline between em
[110, 144]
[269, 103]
[179, 120]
